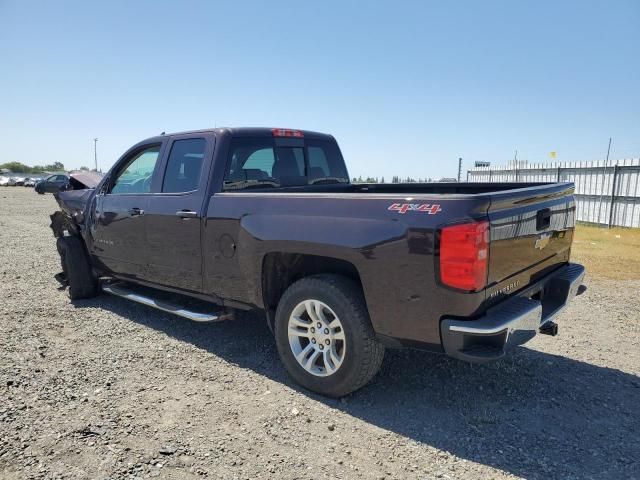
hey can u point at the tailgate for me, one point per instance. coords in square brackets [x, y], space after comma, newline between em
[531, 233]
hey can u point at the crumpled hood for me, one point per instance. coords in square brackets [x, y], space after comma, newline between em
[84, 179]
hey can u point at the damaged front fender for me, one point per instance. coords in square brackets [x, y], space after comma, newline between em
[63, 225]
[75, 201]
[74, 204]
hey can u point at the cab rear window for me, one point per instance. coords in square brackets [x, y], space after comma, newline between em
[267, 162]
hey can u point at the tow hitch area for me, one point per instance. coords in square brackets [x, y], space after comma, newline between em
[549, 328]
[514, 321]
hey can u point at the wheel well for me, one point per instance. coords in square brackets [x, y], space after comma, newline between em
[279, 270]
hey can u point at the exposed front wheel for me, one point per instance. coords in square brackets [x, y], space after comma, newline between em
[324, 335]
[77, 269]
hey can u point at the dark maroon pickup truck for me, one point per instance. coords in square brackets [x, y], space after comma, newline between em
[205, 223]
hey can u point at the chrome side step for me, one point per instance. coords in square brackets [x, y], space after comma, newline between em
[123, 292]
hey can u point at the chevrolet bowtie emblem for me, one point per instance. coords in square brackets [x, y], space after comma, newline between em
[543, 241]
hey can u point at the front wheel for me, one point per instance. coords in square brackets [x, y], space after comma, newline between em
[77, 268]
[324, 336]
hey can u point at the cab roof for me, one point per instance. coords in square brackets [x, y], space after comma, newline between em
[240, 132]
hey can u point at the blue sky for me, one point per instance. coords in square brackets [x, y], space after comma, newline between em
[405, 87]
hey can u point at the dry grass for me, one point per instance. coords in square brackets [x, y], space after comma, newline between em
[612, 254]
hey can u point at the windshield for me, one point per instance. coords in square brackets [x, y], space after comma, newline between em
[272, 163]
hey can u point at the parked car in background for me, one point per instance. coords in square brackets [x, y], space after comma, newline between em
[4, 181]
[11, 182]
[30, 182]
[20, 181]
[52, 184]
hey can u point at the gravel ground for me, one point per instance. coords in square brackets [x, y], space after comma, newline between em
[110, 389]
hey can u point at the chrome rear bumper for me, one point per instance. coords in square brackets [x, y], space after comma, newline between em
[514, 321]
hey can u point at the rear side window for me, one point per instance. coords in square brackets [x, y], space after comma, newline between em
[184, 166]
[264, 162]
[318, 165]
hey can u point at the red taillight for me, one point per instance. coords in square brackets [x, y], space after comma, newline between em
[463, 255]
[285, 132]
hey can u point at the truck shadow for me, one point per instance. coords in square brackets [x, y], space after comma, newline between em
[533, 414]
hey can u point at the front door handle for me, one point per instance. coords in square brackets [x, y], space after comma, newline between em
[186, 214]
[135, 211]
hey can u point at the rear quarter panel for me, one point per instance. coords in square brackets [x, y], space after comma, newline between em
[393, 252]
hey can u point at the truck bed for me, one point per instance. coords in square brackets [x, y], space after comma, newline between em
[434, 188]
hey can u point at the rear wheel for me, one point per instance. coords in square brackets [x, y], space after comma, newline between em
[77, 269]
[324, 336]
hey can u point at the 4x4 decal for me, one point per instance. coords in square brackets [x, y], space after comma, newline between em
[428, 208]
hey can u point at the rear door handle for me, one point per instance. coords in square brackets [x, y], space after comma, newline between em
[135, 211]
[186, 214]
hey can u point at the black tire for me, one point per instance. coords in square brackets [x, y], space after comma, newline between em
[363, 352]
[77, 269]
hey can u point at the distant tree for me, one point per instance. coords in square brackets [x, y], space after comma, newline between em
[16, 167]
[54, 166]
[22, 168]
[382, 180]
[85, 169]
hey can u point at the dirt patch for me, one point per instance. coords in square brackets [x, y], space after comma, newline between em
[108, 389]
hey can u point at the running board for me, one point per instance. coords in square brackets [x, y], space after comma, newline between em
[164, 306]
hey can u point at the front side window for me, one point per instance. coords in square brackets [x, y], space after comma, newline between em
[137, 174]
[184, 166]
[261, 162]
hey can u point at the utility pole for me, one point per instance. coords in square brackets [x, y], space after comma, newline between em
[515, 163]
[95, 152]
[459, 169]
